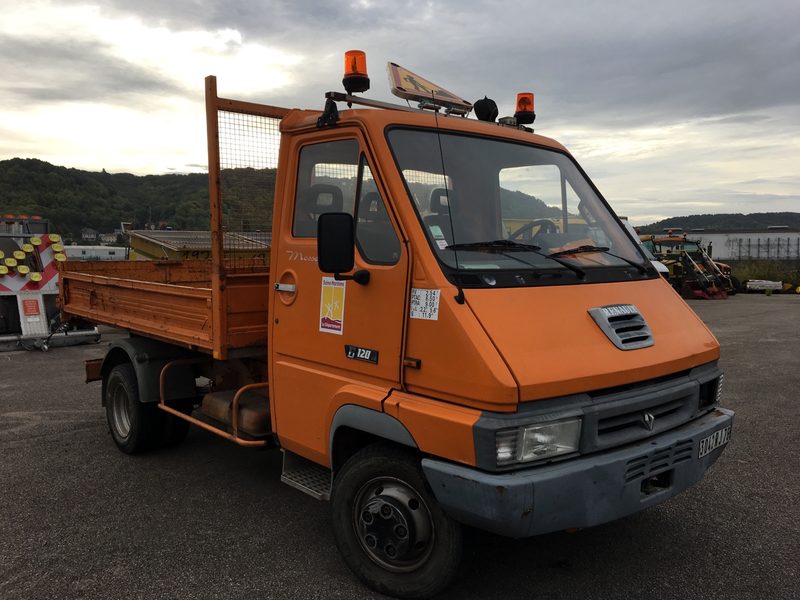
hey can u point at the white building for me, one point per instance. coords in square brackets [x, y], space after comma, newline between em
[773, 243]
[96, 252]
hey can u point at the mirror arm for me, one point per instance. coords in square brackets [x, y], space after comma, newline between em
[361, 277]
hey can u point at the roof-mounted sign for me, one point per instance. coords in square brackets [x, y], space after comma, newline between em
[410, 86]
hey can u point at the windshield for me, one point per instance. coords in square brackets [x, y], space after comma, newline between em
[677, 245]
[504, 207]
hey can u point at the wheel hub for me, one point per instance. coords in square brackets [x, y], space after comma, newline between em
[120, 412]
[393, 524]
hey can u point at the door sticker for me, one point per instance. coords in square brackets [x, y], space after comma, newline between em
[331, 306]
[425, 304]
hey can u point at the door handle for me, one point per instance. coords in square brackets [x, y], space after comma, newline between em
[286, 287]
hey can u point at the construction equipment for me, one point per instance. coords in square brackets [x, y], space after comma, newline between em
[29, 314]
[692, 271]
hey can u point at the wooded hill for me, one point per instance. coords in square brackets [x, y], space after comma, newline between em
[726, 221]
[72, 199]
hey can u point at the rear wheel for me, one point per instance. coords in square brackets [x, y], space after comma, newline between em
[135, 426]
[389, 528]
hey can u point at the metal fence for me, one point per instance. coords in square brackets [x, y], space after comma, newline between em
[771, 248]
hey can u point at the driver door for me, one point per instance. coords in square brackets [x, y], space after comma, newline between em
[334, 342]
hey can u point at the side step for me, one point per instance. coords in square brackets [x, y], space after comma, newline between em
[306, 476]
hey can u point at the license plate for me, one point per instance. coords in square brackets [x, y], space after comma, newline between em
[714, 441]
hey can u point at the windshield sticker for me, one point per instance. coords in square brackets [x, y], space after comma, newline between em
[425, 304]
[436, 232]
[331, 306]
[442, 244]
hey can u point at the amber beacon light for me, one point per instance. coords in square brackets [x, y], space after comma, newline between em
[355, 72]
[524, 113]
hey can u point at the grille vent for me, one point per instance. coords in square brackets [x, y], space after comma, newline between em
[655, 462]
[623, 325]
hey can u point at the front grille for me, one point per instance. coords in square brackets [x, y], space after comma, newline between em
[627, 387]
[636, 418]
[637, 414]
[655, 462]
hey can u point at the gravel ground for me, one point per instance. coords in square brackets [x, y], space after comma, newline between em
[78, 519]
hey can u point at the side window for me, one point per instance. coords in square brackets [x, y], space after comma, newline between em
[326, 182]
[376, 239]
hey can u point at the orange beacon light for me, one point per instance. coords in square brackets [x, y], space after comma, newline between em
[355, 72]
[524, 113]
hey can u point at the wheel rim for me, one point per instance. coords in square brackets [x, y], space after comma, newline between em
[120, 411]
[393, 524]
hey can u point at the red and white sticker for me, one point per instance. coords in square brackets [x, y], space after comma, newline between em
[30, 308]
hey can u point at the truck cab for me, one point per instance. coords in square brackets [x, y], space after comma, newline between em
[458, 331]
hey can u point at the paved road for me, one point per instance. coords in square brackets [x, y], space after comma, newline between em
[78, 519]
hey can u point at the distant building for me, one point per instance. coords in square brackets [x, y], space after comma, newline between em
[773, 243]
[89, 235]
[96, 252]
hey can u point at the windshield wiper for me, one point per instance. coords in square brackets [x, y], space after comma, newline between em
[495, 244]
[580, 250]
[502, 247]
[588, 248]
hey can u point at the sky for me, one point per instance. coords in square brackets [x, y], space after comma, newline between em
[672, 108]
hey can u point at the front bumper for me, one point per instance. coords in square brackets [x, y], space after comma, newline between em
[581, 492]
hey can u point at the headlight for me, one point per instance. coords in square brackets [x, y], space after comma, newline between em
[537, 442]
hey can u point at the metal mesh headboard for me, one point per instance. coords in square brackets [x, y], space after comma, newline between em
[243, 145]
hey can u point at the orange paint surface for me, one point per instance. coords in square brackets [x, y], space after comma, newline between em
[440, 429]
[554, 348]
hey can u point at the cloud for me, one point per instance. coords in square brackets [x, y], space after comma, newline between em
[663, 104]
[82, 53]
[74, 70]
[614, 62]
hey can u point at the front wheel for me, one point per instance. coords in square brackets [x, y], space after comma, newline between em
[388, 526]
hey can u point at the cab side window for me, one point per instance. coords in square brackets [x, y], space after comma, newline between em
[326, 182]
[375, 236]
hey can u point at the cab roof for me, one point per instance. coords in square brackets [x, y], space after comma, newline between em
[378, 119]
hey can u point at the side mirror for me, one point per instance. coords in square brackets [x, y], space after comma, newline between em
[336, 246]
[335, 242]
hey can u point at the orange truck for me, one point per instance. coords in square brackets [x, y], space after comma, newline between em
[438, 320]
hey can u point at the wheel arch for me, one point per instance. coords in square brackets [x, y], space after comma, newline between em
[148, 358]
[355, 427]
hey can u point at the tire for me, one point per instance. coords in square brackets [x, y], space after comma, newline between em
[736, 285]
[388, 526]
[135, 426]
